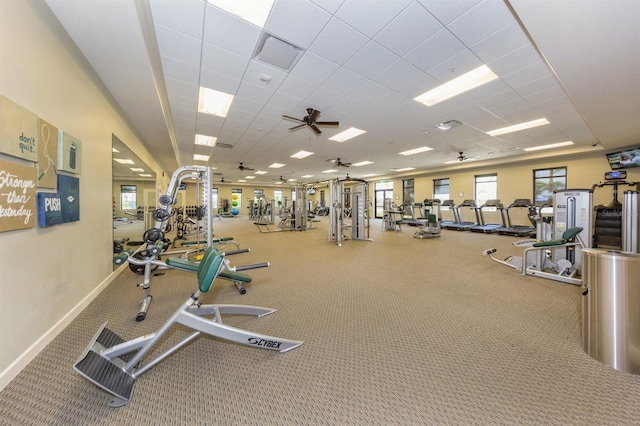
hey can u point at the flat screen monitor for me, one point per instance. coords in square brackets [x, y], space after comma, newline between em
[624, 159]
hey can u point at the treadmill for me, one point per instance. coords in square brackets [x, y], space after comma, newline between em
[451, 205]
[520, 230]
[459, 224]
[483, 226]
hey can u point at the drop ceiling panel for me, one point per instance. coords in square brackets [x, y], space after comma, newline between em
[338, 42]
[455, 66]
[434, 50]
[222, 61]
[314, 68]
[500, 43]
[482, 20]
[322, 98]
[297, 22]
[397, 74]
[178, 46]
[179, 17]
[370, 60]
[344, 81]
[220, 82]
[408, 30]
[370, 20]
[179, 70]
[230, 33]
[447, 11]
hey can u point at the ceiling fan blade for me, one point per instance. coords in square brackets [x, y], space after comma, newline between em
[293, 118]
[328, 123]
[314, 114]
[315, 129]
[297, 127]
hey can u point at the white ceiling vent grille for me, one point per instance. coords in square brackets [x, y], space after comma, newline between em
[448, 125]
[278, 53]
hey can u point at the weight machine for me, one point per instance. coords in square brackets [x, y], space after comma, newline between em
[114, 364]
[430, 225]
[356, 198]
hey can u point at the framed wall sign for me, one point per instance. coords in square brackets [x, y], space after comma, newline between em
[17, 196]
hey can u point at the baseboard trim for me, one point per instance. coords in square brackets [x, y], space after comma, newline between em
[27, 356]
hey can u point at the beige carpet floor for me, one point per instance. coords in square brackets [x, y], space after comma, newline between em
[398, 331]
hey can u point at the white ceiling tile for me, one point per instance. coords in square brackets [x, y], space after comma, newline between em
[370, 16]
[526, 75]
[513, 61]
[329, 5]
[259, 93]
[447, 10]
[178, 46]
[222, 61]
[338, 42]
[298, 22]
[181, 88]
[481, 21]
[410, 28]
[417, 86]
[344, 81]
[455, 66]
[180, 70]
[536, 86]
[219, 82]
[257, 69]
[297, 87]
[283, 102]
[228, 32]
[322, 98]
[179, 16]
[370, 60]
[434, 50]
[500, 43]
[313, 68]
[396, 74]
[369, 91]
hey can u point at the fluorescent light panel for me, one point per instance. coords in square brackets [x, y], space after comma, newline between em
[144, 174]
[350, 133]
[206, 140]
[518, 127]
[307, 176]
[549, 146]
[330, 171]
[406, 169]
[301, 154]
[416, 150]
[200, 157]
[277, 165]
[362, 163]
[252, 11]
[123, 161]
[213, 102]
[249, 177]
[261, 172]
[464, 83]
[136, 169]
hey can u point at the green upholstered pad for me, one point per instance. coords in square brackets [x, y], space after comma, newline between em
[571, 233]
[185, 265]
[235, 276]
[208, 276]
[208, 257]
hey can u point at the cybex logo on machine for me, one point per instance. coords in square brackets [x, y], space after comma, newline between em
[266, 343]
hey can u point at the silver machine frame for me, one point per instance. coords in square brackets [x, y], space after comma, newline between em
[358, 226]
[114, 364]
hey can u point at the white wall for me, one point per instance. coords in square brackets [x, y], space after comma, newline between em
[45, 274]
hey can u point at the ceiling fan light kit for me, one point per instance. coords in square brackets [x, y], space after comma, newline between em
[310, 120]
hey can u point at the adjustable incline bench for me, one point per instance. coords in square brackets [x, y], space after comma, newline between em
[114, 364]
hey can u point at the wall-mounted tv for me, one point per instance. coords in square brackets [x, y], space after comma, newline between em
[624, 159]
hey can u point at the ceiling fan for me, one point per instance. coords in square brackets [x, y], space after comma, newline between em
[310, 121]
[461, 157]
[243, 168]
[339, 163]
[281, 180]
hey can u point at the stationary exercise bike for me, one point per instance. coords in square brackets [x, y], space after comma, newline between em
[114, 364]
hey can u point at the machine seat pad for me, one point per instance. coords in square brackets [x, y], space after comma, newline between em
[189, 266]
[567, 236]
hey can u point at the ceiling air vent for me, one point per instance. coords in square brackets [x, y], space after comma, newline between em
[448, 125]
[224, 145]
[278, 53]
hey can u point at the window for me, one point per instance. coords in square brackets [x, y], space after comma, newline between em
[257, 194]
[214, 199]
[407, 191]
[277, 196]
[545, 181]
[128, 197]
[486, 188]
[441, 189]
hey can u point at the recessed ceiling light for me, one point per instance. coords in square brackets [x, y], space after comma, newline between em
[123, 161]
[330, 171]
[249, 177]
[369, 175]
[206, 140]
[549, 146]
[350, 133]
[136, 169]
[448, 125]
[307, 176]
[241, 180]
[261, 172]
[200, 157]
[362, 163]
[144, 174]
[291, 180]
[406, 169]
[465, 82]
[114, 150]
[252, 11]
[213, 102]
[416, 150]
[518, 127]
[301, 154]
[277, 165]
